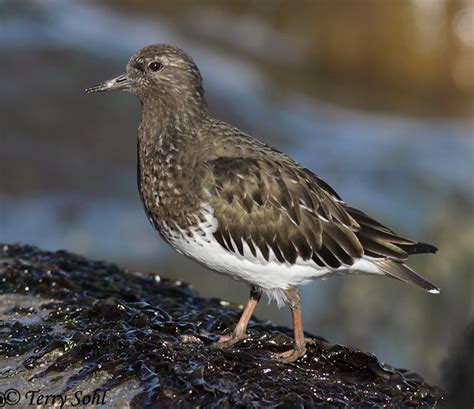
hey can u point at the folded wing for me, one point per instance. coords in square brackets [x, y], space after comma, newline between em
[283, 211]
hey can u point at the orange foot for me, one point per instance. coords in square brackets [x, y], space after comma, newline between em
[226, 341]
[292, 355]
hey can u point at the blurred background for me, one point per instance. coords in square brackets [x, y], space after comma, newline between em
[375, 97]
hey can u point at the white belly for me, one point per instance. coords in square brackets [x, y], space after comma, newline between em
[269, 275]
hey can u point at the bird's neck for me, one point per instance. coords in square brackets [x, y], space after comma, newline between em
[170, 120]
[167, 141]
[167, 165]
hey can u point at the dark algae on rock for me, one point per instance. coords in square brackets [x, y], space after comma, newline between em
[68, 323]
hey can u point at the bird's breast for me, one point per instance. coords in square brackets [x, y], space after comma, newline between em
[170, 194]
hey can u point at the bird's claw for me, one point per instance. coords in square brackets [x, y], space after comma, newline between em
[291, 355]
[226, 341]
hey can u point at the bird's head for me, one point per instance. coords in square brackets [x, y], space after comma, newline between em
[160, 73]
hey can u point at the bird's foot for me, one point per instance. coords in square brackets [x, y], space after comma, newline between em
[292, 355]
[226, 341]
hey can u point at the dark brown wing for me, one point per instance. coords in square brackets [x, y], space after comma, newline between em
[379, 241]
[284, 208]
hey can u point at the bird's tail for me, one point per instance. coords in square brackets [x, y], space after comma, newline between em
[419, 248]
[400, 271]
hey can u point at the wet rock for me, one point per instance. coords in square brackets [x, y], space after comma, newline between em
[84, 329]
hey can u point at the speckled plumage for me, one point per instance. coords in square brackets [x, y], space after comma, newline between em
[239, 206]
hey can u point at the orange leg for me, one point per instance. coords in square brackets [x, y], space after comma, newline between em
[240, 330]
[299, 346]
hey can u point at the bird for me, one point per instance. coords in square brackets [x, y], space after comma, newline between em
[240, 207]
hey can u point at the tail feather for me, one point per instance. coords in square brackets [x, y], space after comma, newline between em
[402, 272]
[379, 241]
[419, 248]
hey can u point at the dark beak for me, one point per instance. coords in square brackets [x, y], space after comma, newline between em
[121, 82]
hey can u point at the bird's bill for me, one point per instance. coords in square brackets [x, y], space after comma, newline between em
[122, 82]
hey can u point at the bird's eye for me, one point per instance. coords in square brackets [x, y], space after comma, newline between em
[155, 66]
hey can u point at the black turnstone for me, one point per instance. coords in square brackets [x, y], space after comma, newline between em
[240, 207]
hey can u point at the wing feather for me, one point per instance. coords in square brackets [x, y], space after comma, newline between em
[278, 206]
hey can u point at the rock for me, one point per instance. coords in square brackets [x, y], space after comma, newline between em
[83, 330]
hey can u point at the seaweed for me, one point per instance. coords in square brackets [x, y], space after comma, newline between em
[106, 321]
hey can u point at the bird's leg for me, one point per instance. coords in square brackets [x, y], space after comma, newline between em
[240, 330]
[299, 348]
